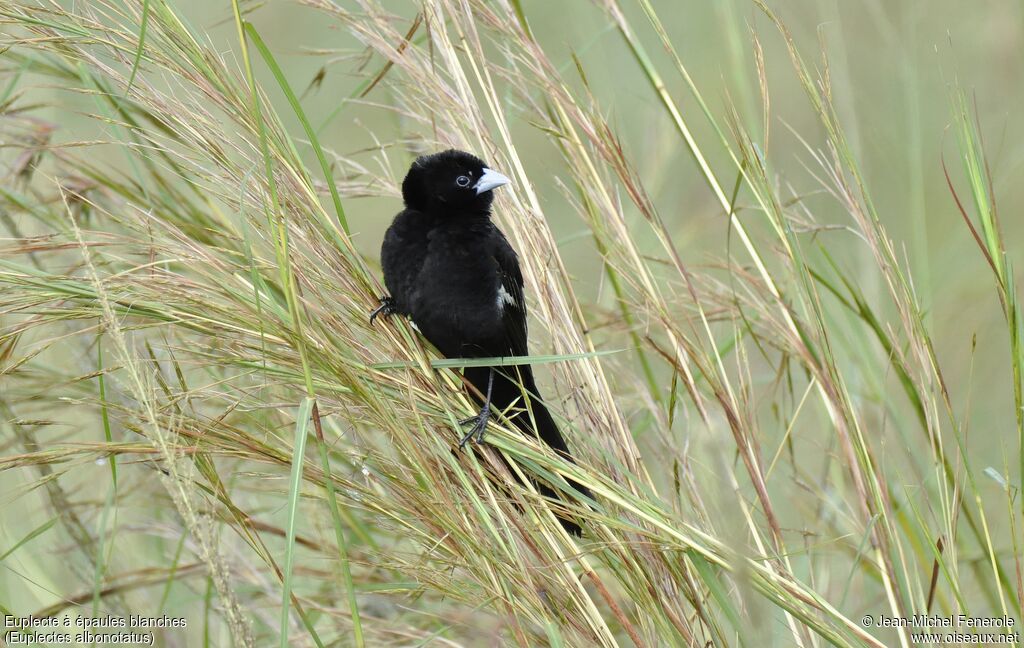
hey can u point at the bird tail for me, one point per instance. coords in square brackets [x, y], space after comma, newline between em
[532, 419]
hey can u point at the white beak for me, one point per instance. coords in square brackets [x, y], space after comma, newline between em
[490, 180]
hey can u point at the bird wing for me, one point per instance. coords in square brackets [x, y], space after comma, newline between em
[402, 255]
[511, 297]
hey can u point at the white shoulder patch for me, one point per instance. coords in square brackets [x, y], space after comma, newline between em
[505, 298]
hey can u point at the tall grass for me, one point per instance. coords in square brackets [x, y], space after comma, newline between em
[183, 301]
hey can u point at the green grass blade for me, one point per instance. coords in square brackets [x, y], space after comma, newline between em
[314, 141]
[142, 44]
[31, 535]
[505, 361]
[104, 412]
[294, 490]
[339, 531]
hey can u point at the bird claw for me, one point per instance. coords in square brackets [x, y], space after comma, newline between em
[386, 308]
[479, 426]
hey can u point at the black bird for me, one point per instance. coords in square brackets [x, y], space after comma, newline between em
[453, 273]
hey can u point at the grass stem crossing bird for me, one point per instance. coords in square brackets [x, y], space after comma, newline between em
[453, 273]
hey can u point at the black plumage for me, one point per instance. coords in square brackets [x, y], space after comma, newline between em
[453, 273]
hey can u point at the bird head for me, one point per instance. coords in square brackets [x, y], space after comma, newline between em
[451, 182]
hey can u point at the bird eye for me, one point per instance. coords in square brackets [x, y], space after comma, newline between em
[462, 181]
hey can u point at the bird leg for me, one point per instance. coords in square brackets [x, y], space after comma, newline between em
[480, 420]
[386, 308]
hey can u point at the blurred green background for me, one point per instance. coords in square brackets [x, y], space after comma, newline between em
[893, 66]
